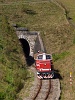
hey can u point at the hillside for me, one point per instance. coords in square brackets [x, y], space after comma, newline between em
[57, 34]
[70, 6]
[13, 71]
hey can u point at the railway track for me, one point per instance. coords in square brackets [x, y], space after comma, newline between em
[43, 90]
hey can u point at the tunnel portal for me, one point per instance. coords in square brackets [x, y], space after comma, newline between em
[25, 46]
[27, 40]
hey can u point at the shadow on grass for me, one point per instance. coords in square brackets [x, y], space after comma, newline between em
[57, 75]
[31, 12]
[30, 60]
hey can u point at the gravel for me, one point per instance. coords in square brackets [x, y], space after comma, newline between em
[54, 92]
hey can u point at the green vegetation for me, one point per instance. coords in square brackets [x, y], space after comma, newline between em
[60, 56]
[45, 17]
[70, 6]
[58, 37]
[13, 72]
[67, 64]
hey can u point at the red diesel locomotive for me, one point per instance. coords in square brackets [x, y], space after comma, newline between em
[43, 63]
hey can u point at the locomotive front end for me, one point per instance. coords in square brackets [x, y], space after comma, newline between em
[44, 66]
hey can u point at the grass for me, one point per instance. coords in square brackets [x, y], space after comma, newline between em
[9, 1]
[60, 56]
[13, 72]
[26, 90]
[18, 12]
[52, 22]
[58, 38]
[65, 66]
[70, 6]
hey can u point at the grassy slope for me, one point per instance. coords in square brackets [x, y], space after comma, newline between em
[13, 72]
[70, 6]
[57, 34]
[52, 22]
[67, 64]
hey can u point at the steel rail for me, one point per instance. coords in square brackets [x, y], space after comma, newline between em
[46, 92]
[38, 90]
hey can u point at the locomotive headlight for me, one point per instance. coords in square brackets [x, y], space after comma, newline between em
[38, 73]
[45, 64]
[37, 65]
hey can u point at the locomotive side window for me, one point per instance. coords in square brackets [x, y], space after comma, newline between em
[48, 57]
[40, 57]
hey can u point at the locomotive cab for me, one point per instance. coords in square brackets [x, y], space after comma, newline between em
[44, 65]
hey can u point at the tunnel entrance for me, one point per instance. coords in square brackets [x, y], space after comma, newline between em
[26, 49]
[25, 46]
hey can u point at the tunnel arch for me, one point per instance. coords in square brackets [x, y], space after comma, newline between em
[25, 46]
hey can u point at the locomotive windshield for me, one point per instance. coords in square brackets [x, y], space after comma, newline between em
[44, 56]
[40, 57]
[48, 57]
